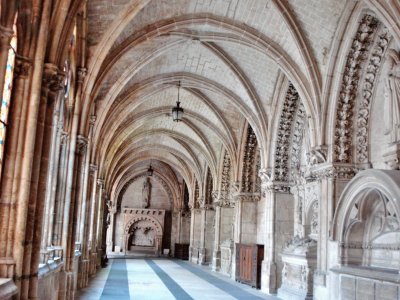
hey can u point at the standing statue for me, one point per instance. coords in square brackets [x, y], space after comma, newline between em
[146, 192]
[392, 95]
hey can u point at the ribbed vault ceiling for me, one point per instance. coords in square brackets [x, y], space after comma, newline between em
[228, 56]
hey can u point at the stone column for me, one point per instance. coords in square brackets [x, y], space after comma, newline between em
[85, 213]
[191, 242]
[53, 135]
[216, 263]
[275, 239]
[202, 246]
[56, 235]
[100, 213]
[333, 178]
[93, 220]
[27, 138]
[5, 39]
[12, 157]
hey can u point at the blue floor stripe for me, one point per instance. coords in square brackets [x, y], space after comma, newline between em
[116, 286]
[172, 286]
[231, 289]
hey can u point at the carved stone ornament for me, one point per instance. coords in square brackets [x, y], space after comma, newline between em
[81, 144]
[249, 168]
[335, 171]
[318, 155]
[100, 182]
[247, 197]
[283, 139]
[53, 78]
[93, 168]
[364, 105]
[354, 65]
[22, 66]
[82, 72]
[226, 173]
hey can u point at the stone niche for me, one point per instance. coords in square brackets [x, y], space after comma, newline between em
[366, 232]
[143, 230]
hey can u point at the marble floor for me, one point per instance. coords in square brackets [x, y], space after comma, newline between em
[159, 279]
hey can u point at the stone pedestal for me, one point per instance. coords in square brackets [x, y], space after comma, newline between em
[202, 256]
[300, 260]
[216, 263]
[226, 256]
[268, 277]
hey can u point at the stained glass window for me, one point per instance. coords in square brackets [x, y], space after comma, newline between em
[5, 100]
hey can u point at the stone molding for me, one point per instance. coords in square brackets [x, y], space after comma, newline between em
[333, 171]
[246, 197]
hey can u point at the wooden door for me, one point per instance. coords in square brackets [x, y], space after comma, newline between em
[246, 263]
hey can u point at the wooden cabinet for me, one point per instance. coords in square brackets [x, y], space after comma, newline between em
[248, 264]
[182, 251]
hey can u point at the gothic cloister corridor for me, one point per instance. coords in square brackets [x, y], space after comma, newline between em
[254, 143]
[163, 279]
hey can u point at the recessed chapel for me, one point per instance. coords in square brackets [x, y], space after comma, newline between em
[193, 149]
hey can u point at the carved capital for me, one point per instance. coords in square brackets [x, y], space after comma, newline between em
[224, 202]
[64, 136]
[22, 66]
[92, 120]
[100, 182]
[392, 158]
[334, 171]
[5, 37]
[318, 155]
[53, 78]
[265, 175]
[92, 168]
[82, 72]
[247, 197]
[81, 144]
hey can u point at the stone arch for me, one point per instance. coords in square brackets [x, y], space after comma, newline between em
[132, 221]
[367, 221]
[288, 139]
[362, 56]
[157, 226]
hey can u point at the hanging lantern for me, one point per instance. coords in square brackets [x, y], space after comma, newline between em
[150, 171]
[177, 111]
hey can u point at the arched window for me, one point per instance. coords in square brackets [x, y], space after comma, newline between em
[6, 96]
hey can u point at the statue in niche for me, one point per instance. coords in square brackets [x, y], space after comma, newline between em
[392, 99]
[146, 193]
